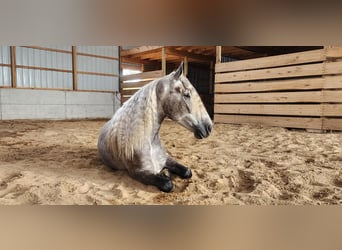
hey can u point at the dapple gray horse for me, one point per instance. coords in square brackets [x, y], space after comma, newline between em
[130, 140]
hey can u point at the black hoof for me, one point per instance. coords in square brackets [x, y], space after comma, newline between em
[167, 187]
[187, 174]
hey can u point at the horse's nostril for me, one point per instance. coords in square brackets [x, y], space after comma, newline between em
[208, 128]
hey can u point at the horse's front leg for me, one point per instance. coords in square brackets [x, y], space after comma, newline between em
[160, 180]
[176, 168]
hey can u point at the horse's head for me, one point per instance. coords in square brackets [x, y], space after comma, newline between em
[180, 101]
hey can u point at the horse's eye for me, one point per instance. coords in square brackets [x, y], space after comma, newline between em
[186, 94]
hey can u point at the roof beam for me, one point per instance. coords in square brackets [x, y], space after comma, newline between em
[140, 50]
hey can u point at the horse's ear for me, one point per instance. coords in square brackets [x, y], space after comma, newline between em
[179, 71]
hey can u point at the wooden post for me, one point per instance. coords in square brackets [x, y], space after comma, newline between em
[13, 67]
[163, 61]
[218, 54]
[74, 68]
[186, 66]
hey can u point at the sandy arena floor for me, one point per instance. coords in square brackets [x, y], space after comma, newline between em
[55, 162]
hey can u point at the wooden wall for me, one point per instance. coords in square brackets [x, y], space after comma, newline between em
[130, 84]
[298, 90]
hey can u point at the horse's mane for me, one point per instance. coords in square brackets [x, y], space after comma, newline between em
[132, 124]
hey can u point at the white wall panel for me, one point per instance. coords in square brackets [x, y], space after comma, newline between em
[98, 65]
[94, 82]
[43, 58]
[5, 55]
[112, 51]
[29, 78]
[5, 76]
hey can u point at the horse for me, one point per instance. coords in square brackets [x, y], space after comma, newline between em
[130, 140]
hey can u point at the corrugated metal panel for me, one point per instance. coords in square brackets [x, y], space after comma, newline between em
[5, 55]
[29, 78]
[112, 51]
[5, 76]
[43, 58]
[98, 65]
[94, 82]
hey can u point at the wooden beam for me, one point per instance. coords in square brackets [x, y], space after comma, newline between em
[271, 109]
[140, 50]
[279, 121]
[163, 62]
[182, 53]
[273, 97]
[144, 75]
[48, 49]
[328, 82]
[43, 68]
[273, 73]
[272, 61]
[97, 74]
[218, 54]
[185, 65]
[74, 68]
[97, 56]
[13, 66]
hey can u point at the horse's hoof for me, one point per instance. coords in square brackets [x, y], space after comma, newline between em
[188, 174]
[167, 187]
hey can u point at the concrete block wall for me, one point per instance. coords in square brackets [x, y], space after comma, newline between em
[59, 105]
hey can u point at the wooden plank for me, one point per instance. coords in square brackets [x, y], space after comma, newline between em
[332, 124]
[282, 97]
[5, 65]
[332, 96]
[272, 61]
[218, 54]
[97, 74]
[74, 68]
[332, 82]
[144, 75]
[128, 91]
[134, 84]
[332, 110]
[62, 89]
[182, 53]
[273, 73]
[293, 84]
[124, 98]
[97, 56]
[163, 61]
[278, 121]
[48, 49]
[333, 68]
[334, 52]
[270, 109]
[43, 68]
[140, 50]
[13, 66]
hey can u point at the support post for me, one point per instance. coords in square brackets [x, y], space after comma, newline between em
[74, 68]
[13, 66]
[218, 54]
[163, 61]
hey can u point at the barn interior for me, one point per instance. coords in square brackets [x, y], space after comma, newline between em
[199, 62]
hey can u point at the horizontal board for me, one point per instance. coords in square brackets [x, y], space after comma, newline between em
[280, 85]
[272, 61]
[282, 97]
[332, 124]
[332, 96]
[128, 91]
[274, 73]
[334, 52]
[270, 109]
[124, 98]
[144, 75]
[134, 84]
[333, 68]
[332, 109]
[290, 122]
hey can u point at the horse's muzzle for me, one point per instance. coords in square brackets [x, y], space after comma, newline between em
[203, 130]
